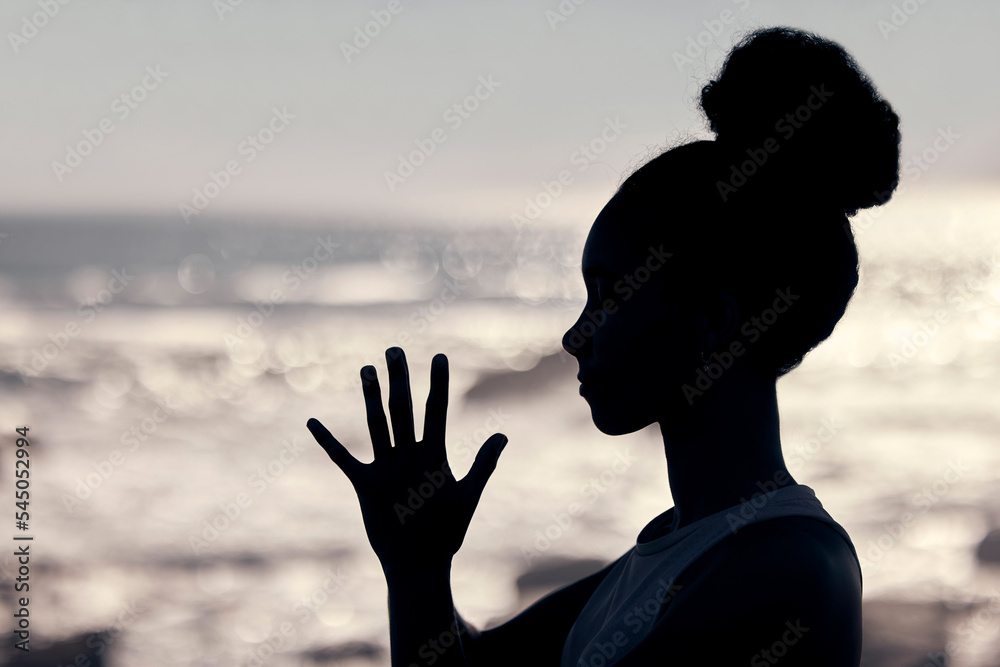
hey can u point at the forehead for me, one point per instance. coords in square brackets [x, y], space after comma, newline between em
[611, 241]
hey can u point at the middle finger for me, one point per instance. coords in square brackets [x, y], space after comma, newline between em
[400, 402]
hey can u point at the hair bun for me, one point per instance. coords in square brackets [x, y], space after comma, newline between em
[821, 123]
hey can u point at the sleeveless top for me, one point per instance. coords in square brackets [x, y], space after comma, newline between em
[626, 604]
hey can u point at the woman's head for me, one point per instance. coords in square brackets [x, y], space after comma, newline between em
[762, 262]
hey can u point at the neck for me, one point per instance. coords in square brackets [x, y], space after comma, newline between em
[726, 449]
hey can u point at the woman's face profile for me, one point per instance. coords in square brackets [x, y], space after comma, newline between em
[635, 345]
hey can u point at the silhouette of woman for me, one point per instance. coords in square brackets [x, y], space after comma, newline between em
[710, 273]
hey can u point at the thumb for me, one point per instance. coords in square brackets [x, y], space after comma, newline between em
[482, 468]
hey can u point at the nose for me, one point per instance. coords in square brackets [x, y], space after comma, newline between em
[574, 342]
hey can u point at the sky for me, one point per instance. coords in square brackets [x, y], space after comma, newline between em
[404, 111]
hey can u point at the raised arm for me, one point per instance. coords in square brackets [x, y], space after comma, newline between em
[415, 547]
[424, 628]
[418, 603]
[536, 635]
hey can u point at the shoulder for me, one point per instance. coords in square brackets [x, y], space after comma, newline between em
[790, 581]
[784, 547]
[788, 561]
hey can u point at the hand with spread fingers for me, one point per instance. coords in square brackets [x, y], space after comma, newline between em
[407, 534]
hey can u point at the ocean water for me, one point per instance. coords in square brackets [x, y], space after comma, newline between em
[166, 373]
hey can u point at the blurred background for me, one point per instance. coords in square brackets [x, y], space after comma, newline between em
[215, 212]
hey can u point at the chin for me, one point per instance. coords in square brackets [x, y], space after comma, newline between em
[622, 415]
[617, 420]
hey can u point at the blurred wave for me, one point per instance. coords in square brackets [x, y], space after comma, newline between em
[167, 372]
